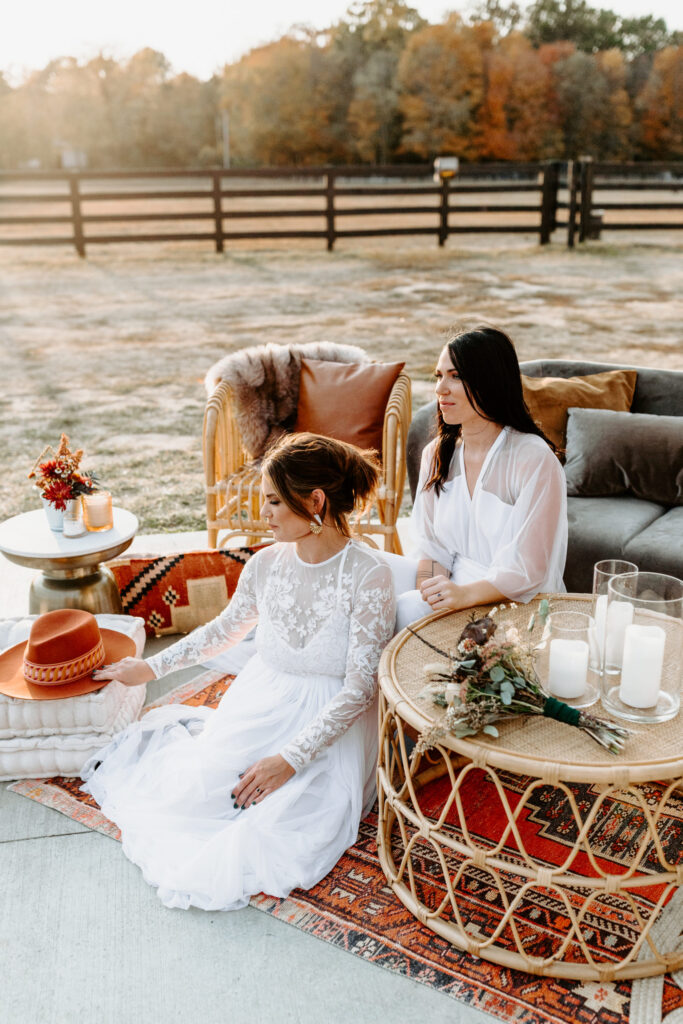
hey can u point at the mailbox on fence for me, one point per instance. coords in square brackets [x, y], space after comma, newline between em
[445, 167]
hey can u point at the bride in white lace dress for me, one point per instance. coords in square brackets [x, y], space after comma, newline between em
[264, 793]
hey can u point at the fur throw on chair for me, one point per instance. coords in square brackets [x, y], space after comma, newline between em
[265, 384]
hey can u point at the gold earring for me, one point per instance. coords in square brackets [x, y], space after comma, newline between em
[316, 524]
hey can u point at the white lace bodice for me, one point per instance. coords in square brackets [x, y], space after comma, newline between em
[332, 618]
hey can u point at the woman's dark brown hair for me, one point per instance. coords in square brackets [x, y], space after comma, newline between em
[298, 464]
[485, 360]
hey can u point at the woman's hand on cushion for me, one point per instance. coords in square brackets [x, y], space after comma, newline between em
[129, 671]
[262, 778]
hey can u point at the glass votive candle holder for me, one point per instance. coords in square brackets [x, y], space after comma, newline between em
[643, 647]
[73, 520]
[602, 573]
[567, 659]
[97, 511]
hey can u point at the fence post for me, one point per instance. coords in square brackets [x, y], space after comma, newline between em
[217, 210]
[443, 212]
[329, 211]
[572, 182]
[551, 180]
[76, 215]
[587, 168]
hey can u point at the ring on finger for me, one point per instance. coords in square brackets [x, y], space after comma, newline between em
[258, 789]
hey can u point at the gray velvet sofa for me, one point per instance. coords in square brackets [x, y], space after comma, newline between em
[625, 476]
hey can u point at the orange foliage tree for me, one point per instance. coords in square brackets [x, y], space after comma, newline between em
[441, 81]
[517, 120]
[281, 99]
[660, 105]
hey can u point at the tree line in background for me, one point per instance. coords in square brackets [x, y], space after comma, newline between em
[556, 80]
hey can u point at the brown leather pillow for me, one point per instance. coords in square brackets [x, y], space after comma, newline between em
[549, 398]
[345, 400]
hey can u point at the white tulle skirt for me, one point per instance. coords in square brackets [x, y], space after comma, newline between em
[166, 781]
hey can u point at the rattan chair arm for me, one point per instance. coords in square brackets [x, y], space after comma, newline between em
[223, 447]
[395, 432]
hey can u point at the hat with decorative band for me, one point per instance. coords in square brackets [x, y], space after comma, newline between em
[63, 650]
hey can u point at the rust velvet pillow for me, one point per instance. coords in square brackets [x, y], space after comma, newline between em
[550, 398]
[345, 400]
[177, 593]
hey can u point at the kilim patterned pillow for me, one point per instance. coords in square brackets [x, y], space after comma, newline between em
[177, 593]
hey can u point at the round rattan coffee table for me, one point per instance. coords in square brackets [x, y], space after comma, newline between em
[545, 754]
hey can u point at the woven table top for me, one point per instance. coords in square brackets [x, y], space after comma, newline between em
[528, 745]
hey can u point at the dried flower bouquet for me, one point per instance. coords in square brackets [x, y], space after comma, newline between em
[488, 680]
[58, 478]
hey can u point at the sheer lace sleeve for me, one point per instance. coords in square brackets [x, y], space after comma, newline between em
[371, 627]
[225, 630]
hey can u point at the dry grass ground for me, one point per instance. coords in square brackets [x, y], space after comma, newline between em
[113, 349]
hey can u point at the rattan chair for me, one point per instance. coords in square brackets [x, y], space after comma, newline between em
[233, 481]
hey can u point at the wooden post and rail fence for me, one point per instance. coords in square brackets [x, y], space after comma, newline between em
[560, 196]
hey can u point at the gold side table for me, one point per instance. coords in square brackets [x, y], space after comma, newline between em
[72, 576]
[552, 754]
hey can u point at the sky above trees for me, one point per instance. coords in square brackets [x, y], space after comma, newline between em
[201, 36]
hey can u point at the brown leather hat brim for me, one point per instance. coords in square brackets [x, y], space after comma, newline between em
[12, 682]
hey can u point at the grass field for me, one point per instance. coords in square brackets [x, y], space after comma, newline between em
[113, 349]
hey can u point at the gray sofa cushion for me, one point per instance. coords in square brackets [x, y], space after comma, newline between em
[611, 453]
[659, 548]
[602, 528]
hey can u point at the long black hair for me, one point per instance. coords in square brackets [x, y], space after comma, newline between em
[486, 362]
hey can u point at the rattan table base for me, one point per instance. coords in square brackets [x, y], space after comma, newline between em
[551, 754]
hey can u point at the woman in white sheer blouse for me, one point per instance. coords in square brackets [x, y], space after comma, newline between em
[266, 792]
[490, 512]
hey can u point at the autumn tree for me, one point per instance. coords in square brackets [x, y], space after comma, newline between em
[660, 105]
[281, 99]
[594, 107]
[441, 78]
[593, 29]
[516, 120]
[370, 41]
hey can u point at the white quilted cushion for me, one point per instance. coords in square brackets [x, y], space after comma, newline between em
[35, 757]
[39, 738]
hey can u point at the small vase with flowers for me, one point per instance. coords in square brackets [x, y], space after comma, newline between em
[61, 482]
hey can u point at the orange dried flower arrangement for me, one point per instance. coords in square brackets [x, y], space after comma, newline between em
[58, 478]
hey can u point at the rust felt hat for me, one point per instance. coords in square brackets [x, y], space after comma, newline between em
[63, 650]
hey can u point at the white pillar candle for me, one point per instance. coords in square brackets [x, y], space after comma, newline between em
[567, 667]
[600, 623]
[619, 617]
[642, 665]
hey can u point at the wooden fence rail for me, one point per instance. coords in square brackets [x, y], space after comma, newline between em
[551, 187]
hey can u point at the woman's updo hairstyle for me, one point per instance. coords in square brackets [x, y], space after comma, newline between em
[298, 464]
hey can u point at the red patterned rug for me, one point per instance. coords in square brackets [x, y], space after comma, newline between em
[354, 909]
